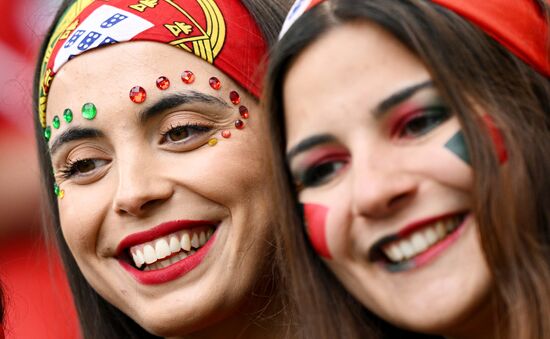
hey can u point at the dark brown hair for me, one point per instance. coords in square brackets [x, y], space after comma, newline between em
[98, 318]
[511, 202]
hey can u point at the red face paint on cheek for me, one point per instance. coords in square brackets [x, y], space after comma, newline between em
[497, 138]
[315, 217]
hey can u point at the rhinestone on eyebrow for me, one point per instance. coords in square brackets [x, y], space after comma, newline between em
[239, 124]
[47, 133]
[188, 77]
[89, 111]
[68, 115]
[244, 112]
[56, 122]
[235, 97]
[163, 83]
[215, 83]
[138, 94]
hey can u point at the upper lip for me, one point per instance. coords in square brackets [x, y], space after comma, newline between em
[375, 252]
[159, 231]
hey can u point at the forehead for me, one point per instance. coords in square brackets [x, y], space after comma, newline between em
[105, 76]
[354, 65]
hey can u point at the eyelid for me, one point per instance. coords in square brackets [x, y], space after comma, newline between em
[299, 174]
[397, 126]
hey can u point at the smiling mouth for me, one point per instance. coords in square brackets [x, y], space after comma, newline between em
[167, 250]
[418, 244]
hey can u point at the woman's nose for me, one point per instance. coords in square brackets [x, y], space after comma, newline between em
[141, 186]
[378, 191]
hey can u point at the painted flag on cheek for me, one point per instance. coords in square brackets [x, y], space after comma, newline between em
[315, 221]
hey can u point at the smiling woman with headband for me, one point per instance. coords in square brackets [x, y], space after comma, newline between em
[154, 154]
[417, 136]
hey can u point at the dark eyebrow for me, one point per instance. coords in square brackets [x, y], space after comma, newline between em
[73, 134]
[178, 99]
[399, 97]
[309, 143]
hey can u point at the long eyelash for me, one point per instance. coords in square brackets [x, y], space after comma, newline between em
[68, 170]
[201, 127]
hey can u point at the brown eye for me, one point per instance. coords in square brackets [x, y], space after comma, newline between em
[85, 166]
[82, 167]
[178, 134]
[185, 133]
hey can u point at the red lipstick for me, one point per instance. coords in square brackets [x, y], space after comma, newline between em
[160, 231]
[175, 270]
[171, 272]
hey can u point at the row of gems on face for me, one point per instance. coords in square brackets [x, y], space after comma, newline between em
[138, 96]
[89, 111]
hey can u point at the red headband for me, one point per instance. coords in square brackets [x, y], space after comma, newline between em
[519, 25]
[222, 33]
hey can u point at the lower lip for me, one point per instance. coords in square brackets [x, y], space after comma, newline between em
[171, 272]
[432, 253]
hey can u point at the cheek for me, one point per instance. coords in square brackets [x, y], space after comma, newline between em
[457, 143]
[315, 217]
[81, 212]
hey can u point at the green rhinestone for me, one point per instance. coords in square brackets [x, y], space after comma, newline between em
[56, 122]
[89, 111]
[68, 115]
[56, 189]
[48, 133]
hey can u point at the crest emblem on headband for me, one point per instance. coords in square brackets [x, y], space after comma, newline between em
[196, 26]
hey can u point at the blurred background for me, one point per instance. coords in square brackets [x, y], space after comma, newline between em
[37, 302]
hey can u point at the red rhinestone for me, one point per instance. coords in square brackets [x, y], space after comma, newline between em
[188, 77]
[226, 134]
[138, 94]
[239, 124]
[163, 83]
[215, 83]
[235, 97]
[244, 112]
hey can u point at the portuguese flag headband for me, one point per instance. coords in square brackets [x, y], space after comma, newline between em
[222, 33]
[518, 25]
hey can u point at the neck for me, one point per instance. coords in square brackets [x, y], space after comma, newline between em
[262, 316]
[481, 325]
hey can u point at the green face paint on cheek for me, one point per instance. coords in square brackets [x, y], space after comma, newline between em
[457, 145]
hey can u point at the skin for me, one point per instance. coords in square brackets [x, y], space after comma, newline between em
[381, 174]
[140, 179]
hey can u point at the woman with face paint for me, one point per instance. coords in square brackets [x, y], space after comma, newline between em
[417, 136]
[154, 153]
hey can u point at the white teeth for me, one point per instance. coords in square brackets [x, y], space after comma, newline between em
[162, 249]
[394, 253]
[169, 249]
[406, 248]
[175, 246]
[138, 258]
[149, 254]
[195, 241]
[418, 242]
[430, 236]
[202, 238]
[185, 242]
